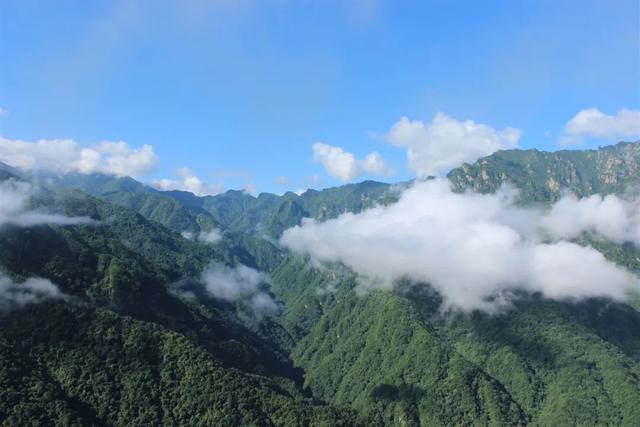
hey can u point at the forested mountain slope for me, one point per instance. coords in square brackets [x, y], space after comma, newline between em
[121, 348]
[542, 176]
[127, 345]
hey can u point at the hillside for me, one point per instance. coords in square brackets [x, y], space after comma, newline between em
[137, 340]
[542, 176]
[123, 349]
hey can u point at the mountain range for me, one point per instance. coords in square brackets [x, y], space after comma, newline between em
[140, 327]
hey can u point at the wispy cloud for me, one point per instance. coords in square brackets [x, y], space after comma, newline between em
[33, 290]
[15, 196]
[475, 250]
[282, 181]
[250, 187]
[189, 181]
[240, 283]
[212, 237]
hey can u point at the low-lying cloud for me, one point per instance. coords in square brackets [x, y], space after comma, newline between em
[66, 155]
[240, 283]
[211, 237]
[190, 182]
[437, 147]
[15, 196]
[476, 250]
[33, 290]
[609, 217]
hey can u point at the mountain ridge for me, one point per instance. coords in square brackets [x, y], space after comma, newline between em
[139, 349]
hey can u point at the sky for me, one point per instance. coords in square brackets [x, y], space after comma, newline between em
[286, 95]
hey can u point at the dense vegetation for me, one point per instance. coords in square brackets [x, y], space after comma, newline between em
[541, 176]
[129, 346]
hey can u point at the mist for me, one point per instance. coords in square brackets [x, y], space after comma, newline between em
[239, 284]
[32, 290]
[211, 237]
[15, 196]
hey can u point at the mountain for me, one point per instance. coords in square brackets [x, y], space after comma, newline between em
[137, 340]
[123, 349]
[235, 211]
[542, 176]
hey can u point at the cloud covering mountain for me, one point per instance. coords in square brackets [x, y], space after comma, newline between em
[476, 250]
[15, 196]
[240, 283]
[189, 182]
[33, 290]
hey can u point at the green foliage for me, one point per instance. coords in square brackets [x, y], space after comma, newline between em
[233, 211]
[138, 342]
[541, 176]
[61, 364]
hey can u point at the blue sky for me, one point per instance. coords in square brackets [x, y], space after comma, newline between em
[239, 91]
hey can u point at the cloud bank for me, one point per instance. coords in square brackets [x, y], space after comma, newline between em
[476, 250]
[189, 182]
[344, 166]
[435, 148]
[240, 283]
[15, 196]
[593, 123]
[32, 290]
[66, 155]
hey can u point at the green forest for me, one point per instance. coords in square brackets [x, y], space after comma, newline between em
[133, 338]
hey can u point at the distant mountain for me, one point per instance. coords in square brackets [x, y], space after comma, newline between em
[542, 176]
[130, 347]
[235, 211]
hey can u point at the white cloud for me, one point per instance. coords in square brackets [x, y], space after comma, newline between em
[187, 235]
[240, 283]
[4, 112]
[32, 290]
[435, 148]
[212, 237]
[15, 196]
[474, 249]
[344, 166]
[609, 217]
[66, 155]
[593, 123]
[189, 182]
